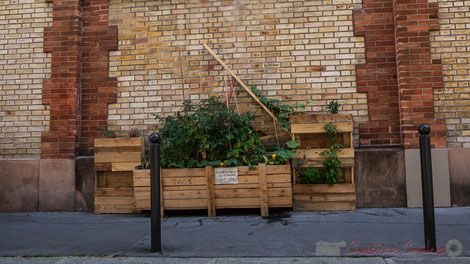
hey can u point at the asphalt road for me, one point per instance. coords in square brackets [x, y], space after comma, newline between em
[388, 233]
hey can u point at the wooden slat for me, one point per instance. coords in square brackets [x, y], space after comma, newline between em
[124, 166]
[279, 185]
[117, 149]
[320, 118]
[114, 192]
[317, 140]
[114, 209]
[263, 190]
[194, 194]
[168, 173]
[331, 206]
[171, 204]
[105, 166]
[118, 142]
[277, 169]
[141, 178]
[316, 153]
[183, 181]
[183, 188]
[114, 200]
[118, 157]
[324, 188]
[253, 202]
[143, 194]
[210, 191]
[113, 205]
[328, 197]
[245, 170]
[318, 163]
[119, 179]
[318, 128]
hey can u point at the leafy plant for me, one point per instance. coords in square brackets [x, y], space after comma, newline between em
[332, 163]
[281, 111]
[209, 134]
[312, 176]
[146, 162]
[107, 133]
[333, 106]
[282, 155]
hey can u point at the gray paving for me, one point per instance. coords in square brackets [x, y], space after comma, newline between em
[393, 234]
[310, 260]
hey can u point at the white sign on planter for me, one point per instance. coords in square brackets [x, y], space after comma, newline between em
[226, 175]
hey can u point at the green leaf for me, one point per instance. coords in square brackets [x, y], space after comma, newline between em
[191, 163]
[292, 144]
[215, 163]
[265, 159]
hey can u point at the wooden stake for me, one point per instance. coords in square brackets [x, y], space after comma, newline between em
[263, 189]
[210, 191]
[248, 90]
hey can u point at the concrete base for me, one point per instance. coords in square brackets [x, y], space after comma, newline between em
[380, 178]
[32, 185]
[19, 185]
[459, 165]
[440, 173]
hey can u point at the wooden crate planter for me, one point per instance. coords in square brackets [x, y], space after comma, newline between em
[186, 189]
[308, 131]
[115, 160]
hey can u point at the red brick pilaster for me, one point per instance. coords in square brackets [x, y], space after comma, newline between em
[98, 90]
[62, 90]
[418, 74]
[378, 76]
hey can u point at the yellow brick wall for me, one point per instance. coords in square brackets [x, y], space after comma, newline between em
[451, 44]
[23, 66]
[292, 50]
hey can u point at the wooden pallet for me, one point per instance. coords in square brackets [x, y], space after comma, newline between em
[186, 189]
[115, 160]
[323, 197]
[308, 131]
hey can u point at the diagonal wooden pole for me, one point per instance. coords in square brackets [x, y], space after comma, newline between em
[248, 90]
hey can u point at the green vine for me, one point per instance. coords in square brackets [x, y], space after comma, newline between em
[331, 165]
[333, 106]
[107, 133]
[283, 112]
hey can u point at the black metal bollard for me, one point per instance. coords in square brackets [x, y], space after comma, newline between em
[156, 231]
[427, 188]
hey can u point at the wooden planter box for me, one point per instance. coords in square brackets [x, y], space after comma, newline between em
[185, 189]
[115, 160]
[323, 197]
[308, 130]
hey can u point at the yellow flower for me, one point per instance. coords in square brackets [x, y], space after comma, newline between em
[273, 155]
[221, 164]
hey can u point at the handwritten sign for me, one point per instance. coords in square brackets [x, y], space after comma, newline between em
[226, 175]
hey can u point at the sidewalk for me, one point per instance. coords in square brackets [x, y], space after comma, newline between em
[305, 260]
[374, 232]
